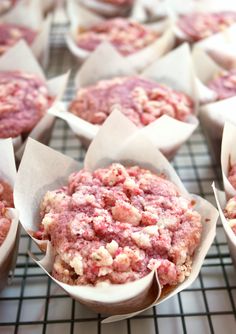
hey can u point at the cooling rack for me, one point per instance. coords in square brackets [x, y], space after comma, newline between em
[34, 304]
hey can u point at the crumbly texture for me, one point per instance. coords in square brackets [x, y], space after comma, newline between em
[117, 224]
[24, 99]
[6, 194]
[232, 175]
[126, 36]
[198, 26]
[230, 213]
[224, 84]
[6, 200]
[141, 100]
[10, 34]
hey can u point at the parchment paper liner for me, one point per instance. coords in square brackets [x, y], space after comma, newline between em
[80, 17]
[104, 9]
[213, 114]
[21, 58]
[9, 247]
[166, 133]
[221, 201]
[128, 147]
[30, 15]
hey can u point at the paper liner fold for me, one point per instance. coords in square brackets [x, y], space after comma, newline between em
[167, 133]
[8, 249]
[105, 9]
[52, 170]
[33, 20]
[231, 238]
[14, 60]
[80, 18]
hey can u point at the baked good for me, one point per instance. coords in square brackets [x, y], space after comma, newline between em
[24, 100]
[10, 34]
[197, 26]
[141, 100]
[125, 35]
[117, 224]
[6, 200]
[224, 84]
[230, 213]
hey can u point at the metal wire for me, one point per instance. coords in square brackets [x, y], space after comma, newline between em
[34, 304]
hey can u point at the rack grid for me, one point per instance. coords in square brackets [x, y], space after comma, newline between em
[34, 304]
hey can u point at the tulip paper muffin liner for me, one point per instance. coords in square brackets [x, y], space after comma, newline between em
[228, 156]
[9, 247]
[175, 70]
[81, 18]
[221, 201]
[213, 114]
[52, 170]
[14, 60]
[33, 20]
[105, 9]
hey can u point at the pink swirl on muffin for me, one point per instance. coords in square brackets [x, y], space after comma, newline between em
[6, 200]
[24, 99]
[10, 34]
[126, 36]
[230, 213]
[224, 84]
[141, 100]
[198, 26]
[117, 224]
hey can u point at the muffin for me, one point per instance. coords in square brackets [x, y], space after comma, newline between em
[24, 101]
[6, 200]
[198, 26]
[10, 34]
[117, 224]
[127, 36]
[230, 213]
[141, 100]
[224, 84]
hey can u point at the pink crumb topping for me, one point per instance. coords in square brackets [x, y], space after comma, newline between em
[116, 224]
[224, 84]
[232, 176]
[126, 36]
[141, 100]
[202, 25]
[230, 213]
[10, 34]
[6, 200]
[24, 99]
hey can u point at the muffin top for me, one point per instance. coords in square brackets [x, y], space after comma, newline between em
[10, 34]
[117, 224]
[224, 84]
[232, 175]
[24, 100]
[126, 36]
[202, 25]
[141, 100]
[6, 200]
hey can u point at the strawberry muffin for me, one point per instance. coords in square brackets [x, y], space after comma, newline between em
[117, 224]
[224, 84]
[197, 26]
[232, 176]
[126, 36]
[10, 34]
[230, 213]
[24, 100]
[141, 100]
[6, 200]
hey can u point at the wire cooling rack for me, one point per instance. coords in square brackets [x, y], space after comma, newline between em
[34, 304]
